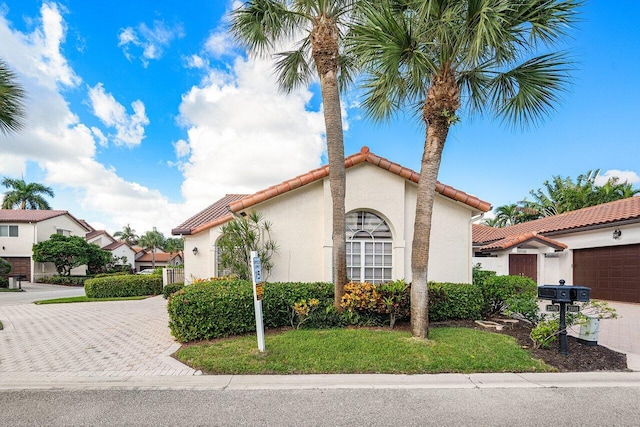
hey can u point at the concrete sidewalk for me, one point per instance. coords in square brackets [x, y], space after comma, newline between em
[327, 382]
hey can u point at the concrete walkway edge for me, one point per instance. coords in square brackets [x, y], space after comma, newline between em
[310, 382]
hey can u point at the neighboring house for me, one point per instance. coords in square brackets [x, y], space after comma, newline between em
[118, 248]
[380, 207]
[20, 229]
[145, 261]
[597, 247]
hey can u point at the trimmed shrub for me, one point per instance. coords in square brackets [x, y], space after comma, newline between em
[115, 273]
[367, 304]
[479, 275]
[171, 288]
[510, 294]
[123, 286]
[5, 267]
[450, 301]
[63, 280]
[221, 308]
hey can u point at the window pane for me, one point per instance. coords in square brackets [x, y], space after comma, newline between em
[13, 231]
[4, 230]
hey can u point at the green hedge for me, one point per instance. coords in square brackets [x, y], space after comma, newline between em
[454, 301]
[510, 294]
[63, 280]
[222, 308]
[171, 288]
[123, 286]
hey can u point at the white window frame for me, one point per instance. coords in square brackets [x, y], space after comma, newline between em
[369, 247]
[7, 230]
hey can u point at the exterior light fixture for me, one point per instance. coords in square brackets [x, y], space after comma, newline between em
[617, 233]
[195, 251]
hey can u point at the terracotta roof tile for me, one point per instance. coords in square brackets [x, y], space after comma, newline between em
[520, 239]
[594, 216]
[37, 215]
[115, 245]
[208, 215]
[198, 223]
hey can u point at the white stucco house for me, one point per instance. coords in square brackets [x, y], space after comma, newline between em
[380, 212]
[597, 247]
[21, 229]
[118, 248]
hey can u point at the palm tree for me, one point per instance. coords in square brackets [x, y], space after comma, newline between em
[127, 234]
[25, 196]
[152, 240]
[318, 26]
[11, 106]
[438, 54]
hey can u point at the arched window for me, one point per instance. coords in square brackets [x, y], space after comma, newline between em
[369, 248]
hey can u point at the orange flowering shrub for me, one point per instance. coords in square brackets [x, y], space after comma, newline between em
[359, 297]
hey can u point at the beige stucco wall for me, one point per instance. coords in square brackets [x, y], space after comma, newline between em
[18, 246]
[301, 226]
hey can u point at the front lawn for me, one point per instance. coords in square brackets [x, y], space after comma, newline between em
[352, 351]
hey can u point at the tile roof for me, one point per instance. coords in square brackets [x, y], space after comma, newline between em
[620, 211]
[160, 257]
[520, 239]
[210, 215]
[195, 225]
[37, 215]
[96, 233]
[115, 245]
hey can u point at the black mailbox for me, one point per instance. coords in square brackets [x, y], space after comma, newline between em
[561, 293]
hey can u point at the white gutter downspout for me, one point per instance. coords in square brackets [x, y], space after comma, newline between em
[470, 253]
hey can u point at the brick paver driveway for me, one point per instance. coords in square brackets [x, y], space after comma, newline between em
[112, 339]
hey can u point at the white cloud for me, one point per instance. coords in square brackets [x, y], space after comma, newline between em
[630, 177]
[245, 135]
[182, 148]
[152, 41]
[64, 148]
[219, 44]
[129, 128]
[196, 61]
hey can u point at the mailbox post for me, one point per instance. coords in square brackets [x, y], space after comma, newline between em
[563, 295]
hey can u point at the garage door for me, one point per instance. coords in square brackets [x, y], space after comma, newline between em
[612, 273]
[20, 265]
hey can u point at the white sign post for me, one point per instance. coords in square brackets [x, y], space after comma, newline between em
[258, 294]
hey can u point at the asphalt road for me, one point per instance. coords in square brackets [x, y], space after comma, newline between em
[348, 407]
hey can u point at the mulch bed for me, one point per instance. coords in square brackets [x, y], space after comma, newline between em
[581, 357]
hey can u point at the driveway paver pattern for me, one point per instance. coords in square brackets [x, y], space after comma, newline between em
[106, 339]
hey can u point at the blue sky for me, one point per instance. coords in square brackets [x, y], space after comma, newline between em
[145, 112]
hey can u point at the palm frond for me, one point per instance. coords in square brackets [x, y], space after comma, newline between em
[528, 92]
[12, 111]
[293, 69]
[259, 24]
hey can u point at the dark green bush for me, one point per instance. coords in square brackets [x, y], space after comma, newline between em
[222, 308]
[479, 275]
[63, 280]
[123, 286]
[454, 301]
[4, 282]
[510, 294]
[115, 273]
[5, 267]
[171, 288]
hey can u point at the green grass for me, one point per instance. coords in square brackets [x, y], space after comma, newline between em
[1, 326]
[10, 290]
[85, 299]
[351, 351]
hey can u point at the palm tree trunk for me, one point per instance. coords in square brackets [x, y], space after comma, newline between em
[443, 99]
[325, 51]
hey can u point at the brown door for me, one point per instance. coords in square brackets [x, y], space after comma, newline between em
[612, 273]
[524, 265]
[20, 265]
